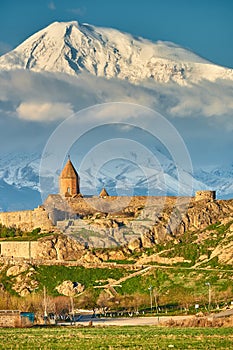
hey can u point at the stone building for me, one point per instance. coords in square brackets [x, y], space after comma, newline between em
[69, 181]
[64, 212]
[103, 193]
[205, 195]
[15, 318]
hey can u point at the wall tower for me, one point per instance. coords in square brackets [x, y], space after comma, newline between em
[205, 195]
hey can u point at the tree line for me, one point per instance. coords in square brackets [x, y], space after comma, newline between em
[11, 232]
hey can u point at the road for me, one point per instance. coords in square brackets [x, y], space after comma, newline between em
[85, 320]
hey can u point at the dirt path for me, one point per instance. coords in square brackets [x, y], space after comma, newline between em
[133, 321]
[125, 278]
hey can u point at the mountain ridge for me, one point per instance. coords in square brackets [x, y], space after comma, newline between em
[71, 48]
[22, 179]
[163, 75]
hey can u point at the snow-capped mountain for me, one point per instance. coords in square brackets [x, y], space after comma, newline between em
[121, 177]
[20, 169]
[220, 179]
[20, 189]
[69, 66]
[71, 48]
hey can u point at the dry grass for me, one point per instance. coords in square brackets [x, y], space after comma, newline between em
[201, 322]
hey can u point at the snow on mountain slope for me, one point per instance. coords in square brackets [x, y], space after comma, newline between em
[19, 178]
[19, 181]
[71, 48]
[139, 70]
[220, 179]
[20, 169]
[125, 178]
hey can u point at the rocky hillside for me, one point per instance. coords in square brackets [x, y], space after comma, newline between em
[143, 224]
[201, 237]
[197, 256]
[205, 248]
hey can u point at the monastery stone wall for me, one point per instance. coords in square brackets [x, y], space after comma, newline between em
[26, 250]
[27, 220]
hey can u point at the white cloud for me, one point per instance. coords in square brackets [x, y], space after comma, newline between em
[31, 91]
[79, 11]
[32, 100]
[52, 6]
[206, 100]
[48, 112]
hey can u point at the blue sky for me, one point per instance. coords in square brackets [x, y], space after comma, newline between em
[203, 114]
[204, 26]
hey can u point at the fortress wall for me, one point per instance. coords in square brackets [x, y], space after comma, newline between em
[27, 220]
[58, 208]
[205, 195]
[27, 249]
[114, 204]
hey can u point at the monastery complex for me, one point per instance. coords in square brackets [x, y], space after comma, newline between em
[102, 220]
[70, 204]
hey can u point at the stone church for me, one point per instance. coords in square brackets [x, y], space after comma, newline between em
[69, 181]
[70, 204]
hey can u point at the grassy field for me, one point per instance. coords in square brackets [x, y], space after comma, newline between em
[117, 338]
[87, 277]
[175, 286]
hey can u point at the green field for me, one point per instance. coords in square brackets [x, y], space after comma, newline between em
[117, 338]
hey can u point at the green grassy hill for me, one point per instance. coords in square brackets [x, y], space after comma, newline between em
[180, 273]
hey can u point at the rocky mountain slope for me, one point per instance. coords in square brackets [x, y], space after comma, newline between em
[68, 66]
[72, 47]
[21, 171]
[19, 181]
[200, 248]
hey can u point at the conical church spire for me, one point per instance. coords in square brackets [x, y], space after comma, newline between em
[103, 193]
[69, 180]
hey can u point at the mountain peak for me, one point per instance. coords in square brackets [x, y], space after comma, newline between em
[72, 48]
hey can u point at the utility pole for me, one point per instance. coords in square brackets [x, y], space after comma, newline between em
[151, 305]
[156, 304]
[45, 306]
[72, 307]
[209, 295]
